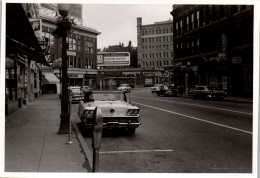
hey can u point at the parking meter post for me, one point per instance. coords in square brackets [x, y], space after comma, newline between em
[96, 137]
[69, 139]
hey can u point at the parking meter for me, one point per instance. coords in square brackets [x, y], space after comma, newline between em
[96, 137]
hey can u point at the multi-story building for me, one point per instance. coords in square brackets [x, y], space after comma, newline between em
[155, 50]
[81, 46]
[213, 45]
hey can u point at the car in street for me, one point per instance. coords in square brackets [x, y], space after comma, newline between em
[85, 88]
[156, 87]
[124, 87]
[169, 90]
[117, 110]
[76, 93]
[205, 92]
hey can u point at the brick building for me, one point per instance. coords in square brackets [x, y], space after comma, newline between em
[81, 46]
[213, 45]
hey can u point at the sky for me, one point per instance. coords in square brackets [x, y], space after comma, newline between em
[117, 22]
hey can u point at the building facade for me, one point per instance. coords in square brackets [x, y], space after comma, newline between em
[213, 45]
[24, 57]
[155, 50]
[81, 47]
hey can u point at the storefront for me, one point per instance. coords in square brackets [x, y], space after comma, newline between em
[23, 54]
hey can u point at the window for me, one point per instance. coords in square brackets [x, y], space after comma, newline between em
[198, 19]
[187, 23]
[181, 31]
[72, 62]
[192, 21]
[72, 43]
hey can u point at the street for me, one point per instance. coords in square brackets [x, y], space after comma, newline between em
[180, 135]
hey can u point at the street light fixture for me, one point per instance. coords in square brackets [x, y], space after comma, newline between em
[64, 24]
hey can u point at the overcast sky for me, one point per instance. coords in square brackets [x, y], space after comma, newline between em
[117, 22]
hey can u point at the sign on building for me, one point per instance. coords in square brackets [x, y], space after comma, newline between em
[113, 59]
[37, 27]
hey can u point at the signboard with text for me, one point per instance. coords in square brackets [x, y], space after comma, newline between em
[113, 59]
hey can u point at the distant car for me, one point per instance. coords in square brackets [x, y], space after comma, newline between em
[155, 87]
[77, 93]
[167, 91]
[205, 92]
[85, 88]
[124, 87]
[117, 111]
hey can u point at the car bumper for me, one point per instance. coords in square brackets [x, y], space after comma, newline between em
[109, 122]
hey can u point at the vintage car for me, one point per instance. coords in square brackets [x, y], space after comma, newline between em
[205, 92]
[155, 87]
[85, 88]
[124, 87]
[167, 91]
[117, 111]
[76, 93]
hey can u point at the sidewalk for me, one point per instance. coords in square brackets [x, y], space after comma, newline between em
[33, 145]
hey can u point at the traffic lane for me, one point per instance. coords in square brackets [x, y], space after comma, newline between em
[230, 119]
[204, 143]
[192, 144]
[245, 107]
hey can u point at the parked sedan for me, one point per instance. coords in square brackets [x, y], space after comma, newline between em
[155, 87]
[117, 112]
[205, 92]
[124, 87]
[77, 93]
[167, 91]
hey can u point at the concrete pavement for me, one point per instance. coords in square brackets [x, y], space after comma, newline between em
[33, 145]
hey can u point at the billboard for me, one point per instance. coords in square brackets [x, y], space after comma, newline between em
[113, 59]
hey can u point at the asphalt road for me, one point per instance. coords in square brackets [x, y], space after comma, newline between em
[180, 135]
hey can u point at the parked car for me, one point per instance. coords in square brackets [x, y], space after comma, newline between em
[117, 111]
[77, 93]
[205, 92]
[167, 91]
[155, 87]
[124, 87]
[85, 88]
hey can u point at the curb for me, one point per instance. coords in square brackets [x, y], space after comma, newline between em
[86, 150]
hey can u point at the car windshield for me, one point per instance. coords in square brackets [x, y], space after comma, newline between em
[123, 85]
[75, 90]
[157, 85]
[104, 97]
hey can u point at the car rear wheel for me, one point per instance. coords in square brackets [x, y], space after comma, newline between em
[131, 130]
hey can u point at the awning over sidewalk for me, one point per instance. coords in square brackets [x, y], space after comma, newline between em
[50, 78]
[20, 35]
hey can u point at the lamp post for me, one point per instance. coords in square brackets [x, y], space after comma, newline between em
[64, 24]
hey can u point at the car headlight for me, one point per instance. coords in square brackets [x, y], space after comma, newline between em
[132, 112]
[89, 114]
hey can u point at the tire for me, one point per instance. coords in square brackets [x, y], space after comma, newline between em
[131, 130]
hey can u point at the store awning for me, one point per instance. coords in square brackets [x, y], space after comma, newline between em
[20, 35]
[50, 78]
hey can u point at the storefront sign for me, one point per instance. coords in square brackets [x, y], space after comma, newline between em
[130, 73]
[37, 27]
[71, 75]
[71, 53]
[148, 81]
